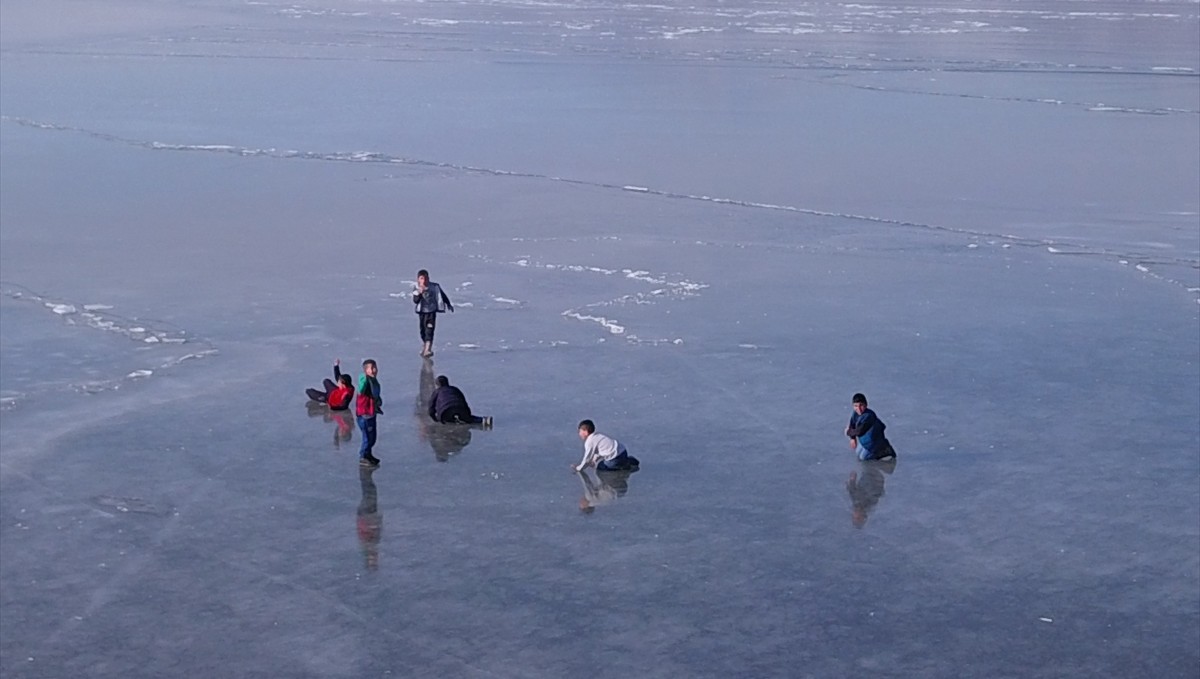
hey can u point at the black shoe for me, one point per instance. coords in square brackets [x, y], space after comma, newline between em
[369, 460]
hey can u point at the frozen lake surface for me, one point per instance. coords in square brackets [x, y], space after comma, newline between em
[704, 227]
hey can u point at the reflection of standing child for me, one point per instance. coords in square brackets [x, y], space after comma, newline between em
[368, 404]
[430, 300]
[370, 521]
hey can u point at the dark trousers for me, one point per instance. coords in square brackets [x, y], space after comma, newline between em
[459, 416]
[622, 462]
[315, 395]
[428, 323]
[367, 426]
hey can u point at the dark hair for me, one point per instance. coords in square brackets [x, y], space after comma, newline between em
[443, 381]
[588, 426]
[859, 398]
[346, 380]
[424, 273]
[370, 361]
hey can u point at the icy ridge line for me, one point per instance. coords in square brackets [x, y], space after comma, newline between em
[378, 157]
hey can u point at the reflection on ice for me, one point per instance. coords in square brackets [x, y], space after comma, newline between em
[342, 420]
[865, 487]
[370, 520]
[602, 487]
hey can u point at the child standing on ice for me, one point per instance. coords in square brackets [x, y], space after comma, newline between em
[368, 404]
[430, 300]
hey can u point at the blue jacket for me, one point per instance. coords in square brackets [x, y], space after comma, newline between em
[434, 300]
[868, 429]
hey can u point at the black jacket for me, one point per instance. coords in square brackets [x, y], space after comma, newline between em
[447, 399]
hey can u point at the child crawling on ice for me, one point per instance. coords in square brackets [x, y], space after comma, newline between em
[606, 454]
[338, 392]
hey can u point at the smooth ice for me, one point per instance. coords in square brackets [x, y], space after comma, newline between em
[703, 226]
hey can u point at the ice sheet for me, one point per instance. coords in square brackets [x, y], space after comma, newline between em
[704, 227]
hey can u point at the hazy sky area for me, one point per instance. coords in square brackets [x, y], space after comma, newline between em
[704, 226]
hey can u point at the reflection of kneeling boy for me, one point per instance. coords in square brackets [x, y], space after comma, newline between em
[607, 454]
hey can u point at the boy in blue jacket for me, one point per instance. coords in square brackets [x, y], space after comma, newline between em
[866, 432]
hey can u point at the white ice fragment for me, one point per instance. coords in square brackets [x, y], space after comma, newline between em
[397, 294]
[466, 284]
[137, 329]
[140, 373]
[1052, 250]
[468, 346]
[612, 326]
[151, 340]
[748, 346]
[1046, 619]
[972, 245]
[639, 189]
[96, 307]
[61, 309]
[677, 340]
[1141, 268]
[522, 262]
[505, 300]
[1006, 245]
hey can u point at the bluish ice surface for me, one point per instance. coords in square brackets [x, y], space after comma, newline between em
[703, 226]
